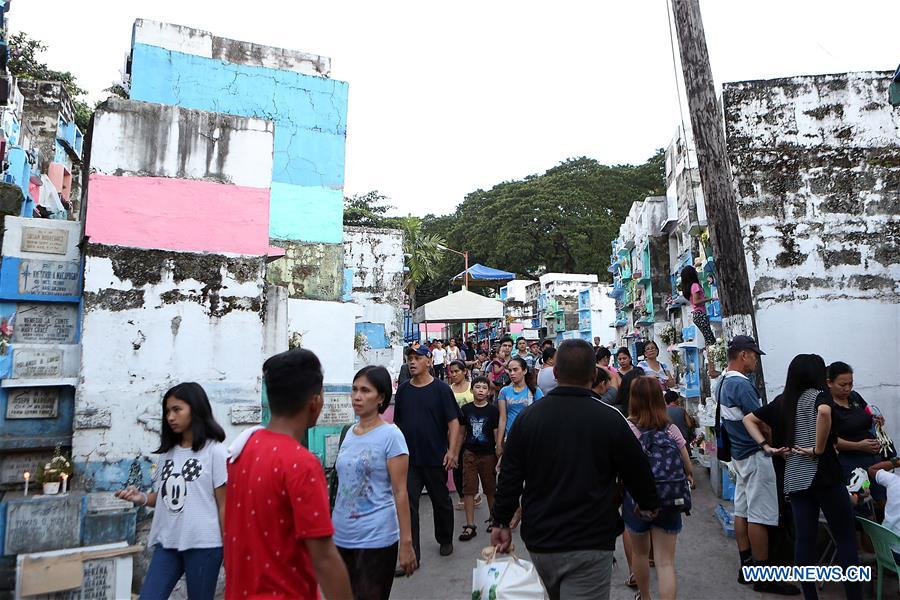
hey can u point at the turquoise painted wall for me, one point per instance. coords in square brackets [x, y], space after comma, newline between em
[310, 116]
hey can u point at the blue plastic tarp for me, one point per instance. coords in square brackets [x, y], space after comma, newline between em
[479, 273]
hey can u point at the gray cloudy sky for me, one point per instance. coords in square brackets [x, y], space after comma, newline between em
[446, 98]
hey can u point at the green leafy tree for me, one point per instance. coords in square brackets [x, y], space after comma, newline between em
[423, 255]
[367, 210]
[24, 63]
[560, 221]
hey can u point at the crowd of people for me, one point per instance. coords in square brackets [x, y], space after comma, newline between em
[619, 466]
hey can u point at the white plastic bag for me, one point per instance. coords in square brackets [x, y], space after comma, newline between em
[506, 579]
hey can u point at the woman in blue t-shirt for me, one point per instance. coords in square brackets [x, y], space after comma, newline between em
[371, 513]
[518, 395]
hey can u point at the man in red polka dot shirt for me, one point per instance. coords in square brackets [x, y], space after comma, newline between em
[277, 520]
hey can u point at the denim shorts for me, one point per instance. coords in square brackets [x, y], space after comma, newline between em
[668, 521]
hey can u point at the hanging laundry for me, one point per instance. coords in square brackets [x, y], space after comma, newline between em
[49, 196]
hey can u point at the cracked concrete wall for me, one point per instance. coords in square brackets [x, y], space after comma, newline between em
[308, 270]
[375, 258]
[310, 115]
[816, 165]
[152, 319]
[157, 171]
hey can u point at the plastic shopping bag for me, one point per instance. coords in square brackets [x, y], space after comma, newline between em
[505, 579]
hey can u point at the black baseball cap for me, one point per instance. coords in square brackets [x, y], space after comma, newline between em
[744, 342]
[421, 351]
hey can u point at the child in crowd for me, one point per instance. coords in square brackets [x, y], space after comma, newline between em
[480, 452]
[679, 416]
[186, 534]
[885, 474]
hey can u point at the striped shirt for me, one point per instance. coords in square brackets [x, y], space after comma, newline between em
[800, 470]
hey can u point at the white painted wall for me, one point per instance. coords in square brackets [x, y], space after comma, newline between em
[202, 43]
[131, 357]
[812, 161]
[187, 144]
[862, 333]
[327, 328]
[12, 237]
[604, 312]
[565, 284]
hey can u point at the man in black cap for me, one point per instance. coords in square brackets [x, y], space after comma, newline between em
[426, 412]
[756, 489]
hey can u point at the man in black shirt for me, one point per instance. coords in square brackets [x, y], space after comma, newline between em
[566, 451]
[426, 412]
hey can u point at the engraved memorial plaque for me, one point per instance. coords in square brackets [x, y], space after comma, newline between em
[49, 277]
[32, 403]
[44, 240]
[37, 364]
[13, 466]
[45, 324]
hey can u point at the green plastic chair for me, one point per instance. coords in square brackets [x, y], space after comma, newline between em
[882, 539]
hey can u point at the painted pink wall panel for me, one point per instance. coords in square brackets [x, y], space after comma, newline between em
[177, 214]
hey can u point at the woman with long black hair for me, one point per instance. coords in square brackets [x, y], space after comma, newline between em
[693, 293]
[800, 419]
[189, 497]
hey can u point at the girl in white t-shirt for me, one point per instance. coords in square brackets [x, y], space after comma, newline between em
[188, 495]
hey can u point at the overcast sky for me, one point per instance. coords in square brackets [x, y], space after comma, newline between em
[446, 98]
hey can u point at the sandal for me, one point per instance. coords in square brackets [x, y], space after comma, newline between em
[469, 531]
[630, 582]
[490, 526]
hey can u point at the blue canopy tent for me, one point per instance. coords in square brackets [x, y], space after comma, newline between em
[480, 275]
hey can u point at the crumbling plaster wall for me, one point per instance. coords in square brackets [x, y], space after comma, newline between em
[816, 165]
[179, 66]
[152, 319]
[375, 257]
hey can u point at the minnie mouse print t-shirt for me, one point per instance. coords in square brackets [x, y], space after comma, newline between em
[186, 514]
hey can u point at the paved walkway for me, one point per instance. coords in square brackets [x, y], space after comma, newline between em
[706, 561]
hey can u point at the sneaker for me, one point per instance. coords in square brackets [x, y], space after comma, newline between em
[741, 579]
[446, 549]
[776, 587]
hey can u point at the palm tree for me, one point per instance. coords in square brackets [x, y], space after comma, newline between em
[422, 255]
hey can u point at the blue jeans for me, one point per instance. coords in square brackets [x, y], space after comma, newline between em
[200, 566]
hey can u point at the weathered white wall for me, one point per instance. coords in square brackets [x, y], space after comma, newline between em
[375, 256]
[187, 144]
[603, 309]
[816, 163]
[565, 284]
[326, 328]
[145, 332]
[203, 43]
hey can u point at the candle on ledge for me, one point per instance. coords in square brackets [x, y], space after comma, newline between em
[27, 477]
[65, 481]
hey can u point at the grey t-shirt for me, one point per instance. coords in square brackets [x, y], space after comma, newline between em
[545, 380]
[186, 514]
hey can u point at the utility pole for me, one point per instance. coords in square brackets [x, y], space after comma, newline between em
[715, 176]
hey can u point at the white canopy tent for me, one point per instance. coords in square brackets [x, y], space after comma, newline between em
[460, 307]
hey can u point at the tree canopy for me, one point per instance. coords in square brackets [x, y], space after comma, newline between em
[560, 221]
[25, 64]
